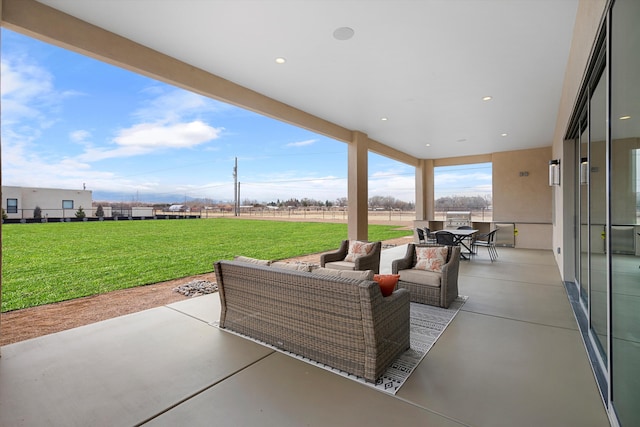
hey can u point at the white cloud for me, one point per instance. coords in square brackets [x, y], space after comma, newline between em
[80, 136]
[144, 138]
[302, 143]
[177, 135]
[172, 105]
[27, 94]
[393, 183]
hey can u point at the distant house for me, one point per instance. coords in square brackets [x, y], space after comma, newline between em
[20, 202]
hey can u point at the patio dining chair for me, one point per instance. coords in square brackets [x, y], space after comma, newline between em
[431, 238]
[488, 240]
[446, 238]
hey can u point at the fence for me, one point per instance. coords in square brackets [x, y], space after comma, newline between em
[299, 214]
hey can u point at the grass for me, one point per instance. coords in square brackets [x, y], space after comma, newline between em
[46, 263]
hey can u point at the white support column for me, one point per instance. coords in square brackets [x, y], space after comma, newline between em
[424, 190]
[358, 191]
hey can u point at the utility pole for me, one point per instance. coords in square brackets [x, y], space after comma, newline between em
[235, 189]
[238, 198]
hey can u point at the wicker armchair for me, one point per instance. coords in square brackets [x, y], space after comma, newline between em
[428, 287]
[366, 262]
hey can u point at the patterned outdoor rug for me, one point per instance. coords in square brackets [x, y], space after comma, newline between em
[427, 324]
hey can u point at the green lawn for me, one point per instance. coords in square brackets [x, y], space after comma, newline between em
[45, 263]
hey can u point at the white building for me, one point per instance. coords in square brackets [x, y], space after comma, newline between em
[20, 202]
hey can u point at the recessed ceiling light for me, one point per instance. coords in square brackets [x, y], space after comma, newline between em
[280, 60]
[427, 145]
[503, 134]
[625, 117]
[343, 33]
[384, 119]
[487, 98]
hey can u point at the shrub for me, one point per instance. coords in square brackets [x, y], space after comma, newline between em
[99, 211]
[80, 213]
[37, 212]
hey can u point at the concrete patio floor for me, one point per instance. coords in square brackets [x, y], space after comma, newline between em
[513, 356]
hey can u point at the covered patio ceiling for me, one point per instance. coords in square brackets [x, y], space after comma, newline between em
[410, 74]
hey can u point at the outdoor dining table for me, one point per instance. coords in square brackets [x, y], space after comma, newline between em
[460, 238]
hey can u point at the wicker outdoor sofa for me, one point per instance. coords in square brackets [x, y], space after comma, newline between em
[343, 323]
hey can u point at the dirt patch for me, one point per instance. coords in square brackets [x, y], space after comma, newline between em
[20, 325]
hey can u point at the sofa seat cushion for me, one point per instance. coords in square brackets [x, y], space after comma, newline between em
[421, 277]
[341, 265]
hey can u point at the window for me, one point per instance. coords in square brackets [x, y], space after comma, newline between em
[12, 205]
[67, 204]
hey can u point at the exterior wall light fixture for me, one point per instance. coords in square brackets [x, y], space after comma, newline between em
[584, 171]
[554, 172]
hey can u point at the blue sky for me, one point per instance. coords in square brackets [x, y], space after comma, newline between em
[70, 121]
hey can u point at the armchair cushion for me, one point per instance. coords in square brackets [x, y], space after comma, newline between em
[341, 265]
[421, 277]
[358, 249]
[431, 259]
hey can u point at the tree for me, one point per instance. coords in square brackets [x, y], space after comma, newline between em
[37, 212]
[100, 211]
[80, 213]
[342, 202]
[462, 203]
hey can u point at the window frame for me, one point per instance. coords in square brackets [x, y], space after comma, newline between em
[12, 209]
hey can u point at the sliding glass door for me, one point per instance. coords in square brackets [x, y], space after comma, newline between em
[606, 131]
[625, 210]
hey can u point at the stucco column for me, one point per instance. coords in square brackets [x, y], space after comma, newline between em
[357, 187]
[424, 190]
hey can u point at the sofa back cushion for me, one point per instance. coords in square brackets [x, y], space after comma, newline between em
[252, 260]
[347, 274]
[358, 249]
[295, 266]
[431, 258]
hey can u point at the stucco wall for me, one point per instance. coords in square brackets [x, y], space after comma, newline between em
[521, 186]
[522, 196]
[588, 18]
